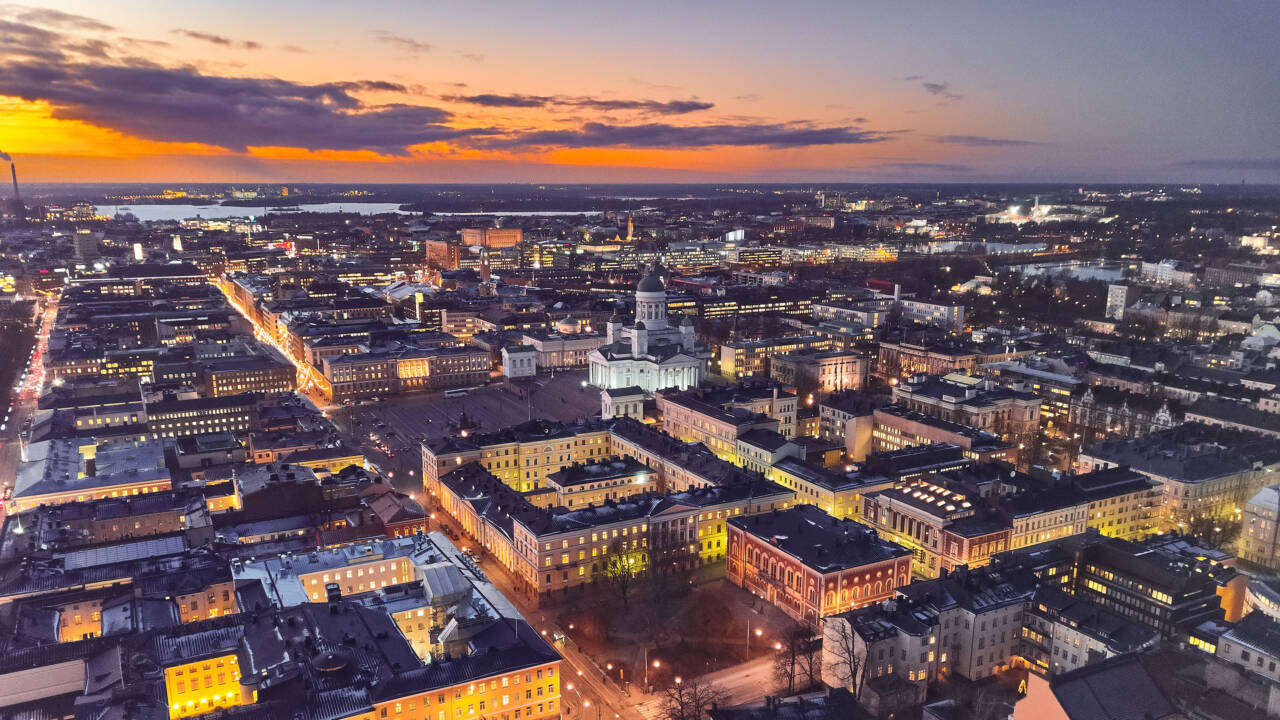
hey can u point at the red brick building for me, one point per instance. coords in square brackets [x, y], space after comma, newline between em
[811, 565]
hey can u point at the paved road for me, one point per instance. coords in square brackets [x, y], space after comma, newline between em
[24, 407]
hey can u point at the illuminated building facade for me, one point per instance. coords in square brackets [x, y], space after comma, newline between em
[811, 565]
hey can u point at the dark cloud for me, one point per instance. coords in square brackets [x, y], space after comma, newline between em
[183, 105]
[294, 49]
[983, 141]
[217, 39]
[671, 107]
[662, 135]
[25, 41]
[373, 86]
[492, 100]
[473, 57]
[145, 43]
[940, 89]
[749, 97]
[1271, 163]
[403, 42]
[54, 18]
[654, 107]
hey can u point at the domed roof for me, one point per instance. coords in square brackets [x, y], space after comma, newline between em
[651, 283]
[569, 321]
[640, 325]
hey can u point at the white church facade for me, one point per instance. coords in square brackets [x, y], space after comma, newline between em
[649, 354]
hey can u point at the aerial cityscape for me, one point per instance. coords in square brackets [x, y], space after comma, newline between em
[714, 362]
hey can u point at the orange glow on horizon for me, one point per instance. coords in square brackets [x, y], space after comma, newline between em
[31, 128]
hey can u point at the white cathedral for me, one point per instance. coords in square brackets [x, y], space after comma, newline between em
[650, 354]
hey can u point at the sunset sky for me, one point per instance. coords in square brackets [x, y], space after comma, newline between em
[479, 91]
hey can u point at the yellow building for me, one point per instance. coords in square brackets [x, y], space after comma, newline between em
[54, 472]
[837, 493]
[205, 685]
[552, 552]
[1123, 503]
[522, 456]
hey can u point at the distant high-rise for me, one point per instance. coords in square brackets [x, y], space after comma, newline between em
[86, 244]
[1119, 297]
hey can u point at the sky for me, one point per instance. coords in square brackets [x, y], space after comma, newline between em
[564, 92]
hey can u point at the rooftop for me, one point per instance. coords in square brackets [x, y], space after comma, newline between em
[820, 541]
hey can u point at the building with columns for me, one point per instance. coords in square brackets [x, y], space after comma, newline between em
[650, 354]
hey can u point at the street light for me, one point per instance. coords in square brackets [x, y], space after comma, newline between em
[759, 632]
[656, 664]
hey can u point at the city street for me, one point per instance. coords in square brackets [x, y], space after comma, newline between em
[24, 408]
[747, 682]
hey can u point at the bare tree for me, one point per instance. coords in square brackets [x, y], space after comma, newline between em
[811, 664]
[622, 569]
[986, 705]
[789, 661]
[665, 584]
[840, 648]
[690, 700]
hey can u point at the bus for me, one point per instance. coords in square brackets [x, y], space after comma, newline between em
[456, 392]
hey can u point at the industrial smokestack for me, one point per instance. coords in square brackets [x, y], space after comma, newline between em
[13, 173]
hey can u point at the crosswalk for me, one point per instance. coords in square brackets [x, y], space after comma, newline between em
[651, 709]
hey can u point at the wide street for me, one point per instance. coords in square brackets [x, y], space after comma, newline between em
[24, 407]
[743, 683]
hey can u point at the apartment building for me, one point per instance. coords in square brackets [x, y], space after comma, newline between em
[1203, 472]
[972, 401]
[750, 358]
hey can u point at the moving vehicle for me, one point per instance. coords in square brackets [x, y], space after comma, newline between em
[456, 392]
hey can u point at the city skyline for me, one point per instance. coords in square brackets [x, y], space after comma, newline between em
[94, 92]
